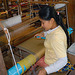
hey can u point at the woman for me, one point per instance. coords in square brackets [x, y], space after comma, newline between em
[55, 43]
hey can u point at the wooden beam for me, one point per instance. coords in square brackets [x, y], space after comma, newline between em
[25, 8]
[2, 65]
[29, 21]
[24, 23]
[52, 2]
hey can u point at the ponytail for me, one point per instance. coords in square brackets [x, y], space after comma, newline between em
[64, 28]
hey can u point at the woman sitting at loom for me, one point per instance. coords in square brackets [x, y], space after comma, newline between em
[55, 43]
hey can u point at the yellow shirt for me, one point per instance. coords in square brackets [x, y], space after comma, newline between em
[56, 45]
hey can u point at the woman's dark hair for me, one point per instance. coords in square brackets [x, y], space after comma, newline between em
[48, 12]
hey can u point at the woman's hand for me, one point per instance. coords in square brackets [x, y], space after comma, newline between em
[42, 72]
[39, 34]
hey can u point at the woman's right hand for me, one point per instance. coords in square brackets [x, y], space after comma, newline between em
[39, 34]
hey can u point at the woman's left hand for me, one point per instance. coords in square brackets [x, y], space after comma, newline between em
[42, 72]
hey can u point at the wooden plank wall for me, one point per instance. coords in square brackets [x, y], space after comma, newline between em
[71, 16]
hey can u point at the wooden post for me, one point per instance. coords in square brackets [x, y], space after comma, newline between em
[2, 65]
[20, 9]
[5, 4]
[71, 17]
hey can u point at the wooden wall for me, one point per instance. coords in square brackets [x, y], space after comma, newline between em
[71, 16]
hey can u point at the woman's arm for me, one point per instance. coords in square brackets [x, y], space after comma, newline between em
[57, 65]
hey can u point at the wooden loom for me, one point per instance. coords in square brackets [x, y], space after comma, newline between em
[31, 48]
[21, 30]
[20, 33]
[36, 49]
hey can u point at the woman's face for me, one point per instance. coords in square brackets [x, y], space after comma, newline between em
[46, 24]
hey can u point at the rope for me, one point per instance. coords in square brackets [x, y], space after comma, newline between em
[8, 38]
